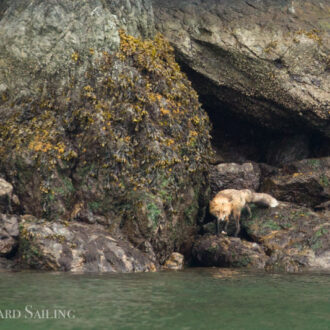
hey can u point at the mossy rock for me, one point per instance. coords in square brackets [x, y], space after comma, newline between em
[293, 236]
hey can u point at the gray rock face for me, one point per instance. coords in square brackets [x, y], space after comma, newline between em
[77, 247]
[234, 176]
[41, 41]
[265, 60]
[8, 234]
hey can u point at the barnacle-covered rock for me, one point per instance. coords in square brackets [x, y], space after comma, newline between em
[126, 146]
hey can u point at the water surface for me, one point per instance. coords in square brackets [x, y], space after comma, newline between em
[192, 299]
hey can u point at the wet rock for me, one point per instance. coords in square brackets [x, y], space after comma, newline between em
[259, 61]
[294, 260]
[77, 247]
[306, 182]
[294, 237]
[234, 176]
[224, 251]
[7, 264]
[8, 234]
[174, 262]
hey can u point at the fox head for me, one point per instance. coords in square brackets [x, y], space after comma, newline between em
[220, 209]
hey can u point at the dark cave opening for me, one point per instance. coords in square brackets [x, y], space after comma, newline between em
[239, 138]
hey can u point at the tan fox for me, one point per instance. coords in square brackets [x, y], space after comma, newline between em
[232, 201]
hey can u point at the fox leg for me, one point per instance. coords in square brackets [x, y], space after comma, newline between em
[237, 216]
[249, 210]
[218, 225]
[226, 226]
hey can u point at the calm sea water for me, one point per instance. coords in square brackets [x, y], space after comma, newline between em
[191, 299]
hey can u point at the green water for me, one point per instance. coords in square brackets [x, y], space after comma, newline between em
[192, 299]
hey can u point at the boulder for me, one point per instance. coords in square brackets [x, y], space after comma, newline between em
[294, 237]
[305, 182]
[224, 251]
[174, 262]
[266, 61]
[99, 125]
[8, 234]
[9, 202]
[77, 247]
[6, 192]
[295, 260]
[234, 176]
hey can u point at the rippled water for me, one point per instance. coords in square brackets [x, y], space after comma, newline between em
[191, 299]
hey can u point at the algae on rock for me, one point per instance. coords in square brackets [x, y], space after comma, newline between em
[129, 149]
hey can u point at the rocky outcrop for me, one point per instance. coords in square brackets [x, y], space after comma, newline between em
[266, 61]
[103, 136]
[9, 223]
[234, 176]
[8, 234]
[100, 126]
[287, 238]
[305, 182]
[6, 192]
[224, 251]
[41, 42]
[77, 247]
[174, 262]
[294, 237]
[9, 202]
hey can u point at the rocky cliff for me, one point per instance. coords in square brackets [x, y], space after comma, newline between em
[107, 148]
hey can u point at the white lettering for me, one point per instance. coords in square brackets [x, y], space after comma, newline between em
[28, 311]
